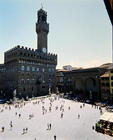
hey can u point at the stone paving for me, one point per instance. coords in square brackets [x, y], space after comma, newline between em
[45, 118]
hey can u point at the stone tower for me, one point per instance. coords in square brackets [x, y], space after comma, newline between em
[42, 29]
[31, 72]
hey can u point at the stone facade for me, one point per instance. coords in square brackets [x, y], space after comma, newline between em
[2, 79]
[107, 86]
[60, 80]
[31, 72]
[82, 83]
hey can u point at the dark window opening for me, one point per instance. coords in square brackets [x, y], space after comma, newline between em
[111, 71]
[103, 84]
[24, 89]
[107, 84]
[111, 77]
[112, 83]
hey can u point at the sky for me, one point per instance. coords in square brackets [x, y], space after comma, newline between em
[80, 30]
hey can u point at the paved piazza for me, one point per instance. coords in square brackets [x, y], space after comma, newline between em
[42, 119]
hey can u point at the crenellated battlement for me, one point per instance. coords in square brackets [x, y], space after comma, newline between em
[23, 48]
[18, 47]
[28, 53]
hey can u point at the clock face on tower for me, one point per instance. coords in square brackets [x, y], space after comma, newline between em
[44, 50]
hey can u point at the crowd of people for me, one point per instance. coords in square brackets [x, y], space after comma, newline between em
[44, 110]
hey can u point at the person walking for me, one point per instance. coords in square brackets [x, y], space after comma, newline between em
[26, 129]
[78, 116]
[61, 115]
[54, 137]
[3, 129]
[50, 126]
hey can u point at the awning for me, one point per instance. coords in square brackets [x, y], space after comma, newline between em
[107, 116]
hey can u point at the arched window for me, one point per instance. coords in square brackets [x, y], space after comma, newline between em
[33, 68]
[28, 68]
[22, 68]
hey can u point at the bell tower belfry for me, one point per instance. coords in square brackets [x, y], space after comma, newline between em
[42, 29]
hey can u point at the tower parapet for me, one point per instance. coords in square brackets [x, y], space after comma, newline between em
[42, 30]
[21, 52]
